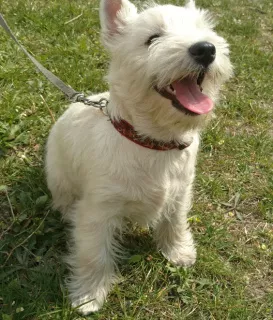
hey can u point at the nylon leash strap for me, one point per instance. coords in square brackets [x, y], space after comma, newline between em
[69, 92]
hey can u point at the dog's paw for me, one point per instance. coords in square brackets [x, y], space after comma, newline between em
[86, 304]
[181, 256]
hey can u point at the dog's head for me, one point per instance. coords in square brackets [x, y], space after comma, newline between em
[167, 57]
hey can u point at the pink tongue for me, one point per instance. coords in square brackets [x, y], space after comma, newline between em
[190, 96]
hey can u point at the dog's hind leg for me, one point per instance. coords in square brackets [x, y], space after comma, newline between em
[92, 256]
[61, 188]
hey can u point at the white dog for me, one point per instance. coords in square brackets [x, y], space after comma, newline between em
[137, 163]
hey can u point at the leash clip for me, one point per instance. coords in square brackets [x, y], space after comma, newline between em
[101, 104]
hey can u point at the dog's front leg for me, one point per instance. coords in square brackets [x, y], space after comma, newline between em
[92, 256]
[172, 234]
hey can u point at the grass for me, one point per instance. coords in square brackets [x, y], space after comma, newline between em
[232, 217]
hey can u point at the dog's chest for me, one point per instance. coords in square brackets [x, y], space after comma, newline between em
[152, 189]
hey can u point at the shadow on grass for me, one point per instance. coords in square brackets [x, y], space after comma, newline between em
[32, 241]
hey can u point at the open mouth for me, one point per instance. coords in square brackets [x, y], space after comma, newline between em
[186, 95]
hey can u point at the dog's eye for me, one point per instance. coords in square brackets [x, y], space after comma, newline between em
[151, 39]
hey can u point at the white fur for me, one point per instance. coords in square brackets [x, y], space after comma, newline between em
[98, 178]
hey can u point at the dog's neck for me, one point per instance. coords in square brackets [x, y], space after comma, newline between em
[128, 131]
[150, 120]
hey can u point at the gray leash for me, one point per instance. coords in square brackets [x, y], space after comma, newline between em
[69, 92]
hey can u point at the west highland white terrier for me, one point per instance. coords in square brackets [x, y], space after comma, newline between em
[138, 161]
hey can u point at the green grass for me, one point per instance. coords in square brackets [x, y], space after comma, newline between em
[232, 217]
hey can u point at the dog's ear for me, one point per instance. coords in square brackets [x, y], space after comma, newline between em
[190, 4]
[114, 15]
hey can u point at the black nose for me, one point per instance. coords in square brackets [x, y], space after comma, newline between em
[203, 52]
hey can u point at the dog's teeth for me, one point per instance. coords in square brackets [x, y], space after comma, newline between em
[170, 89]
